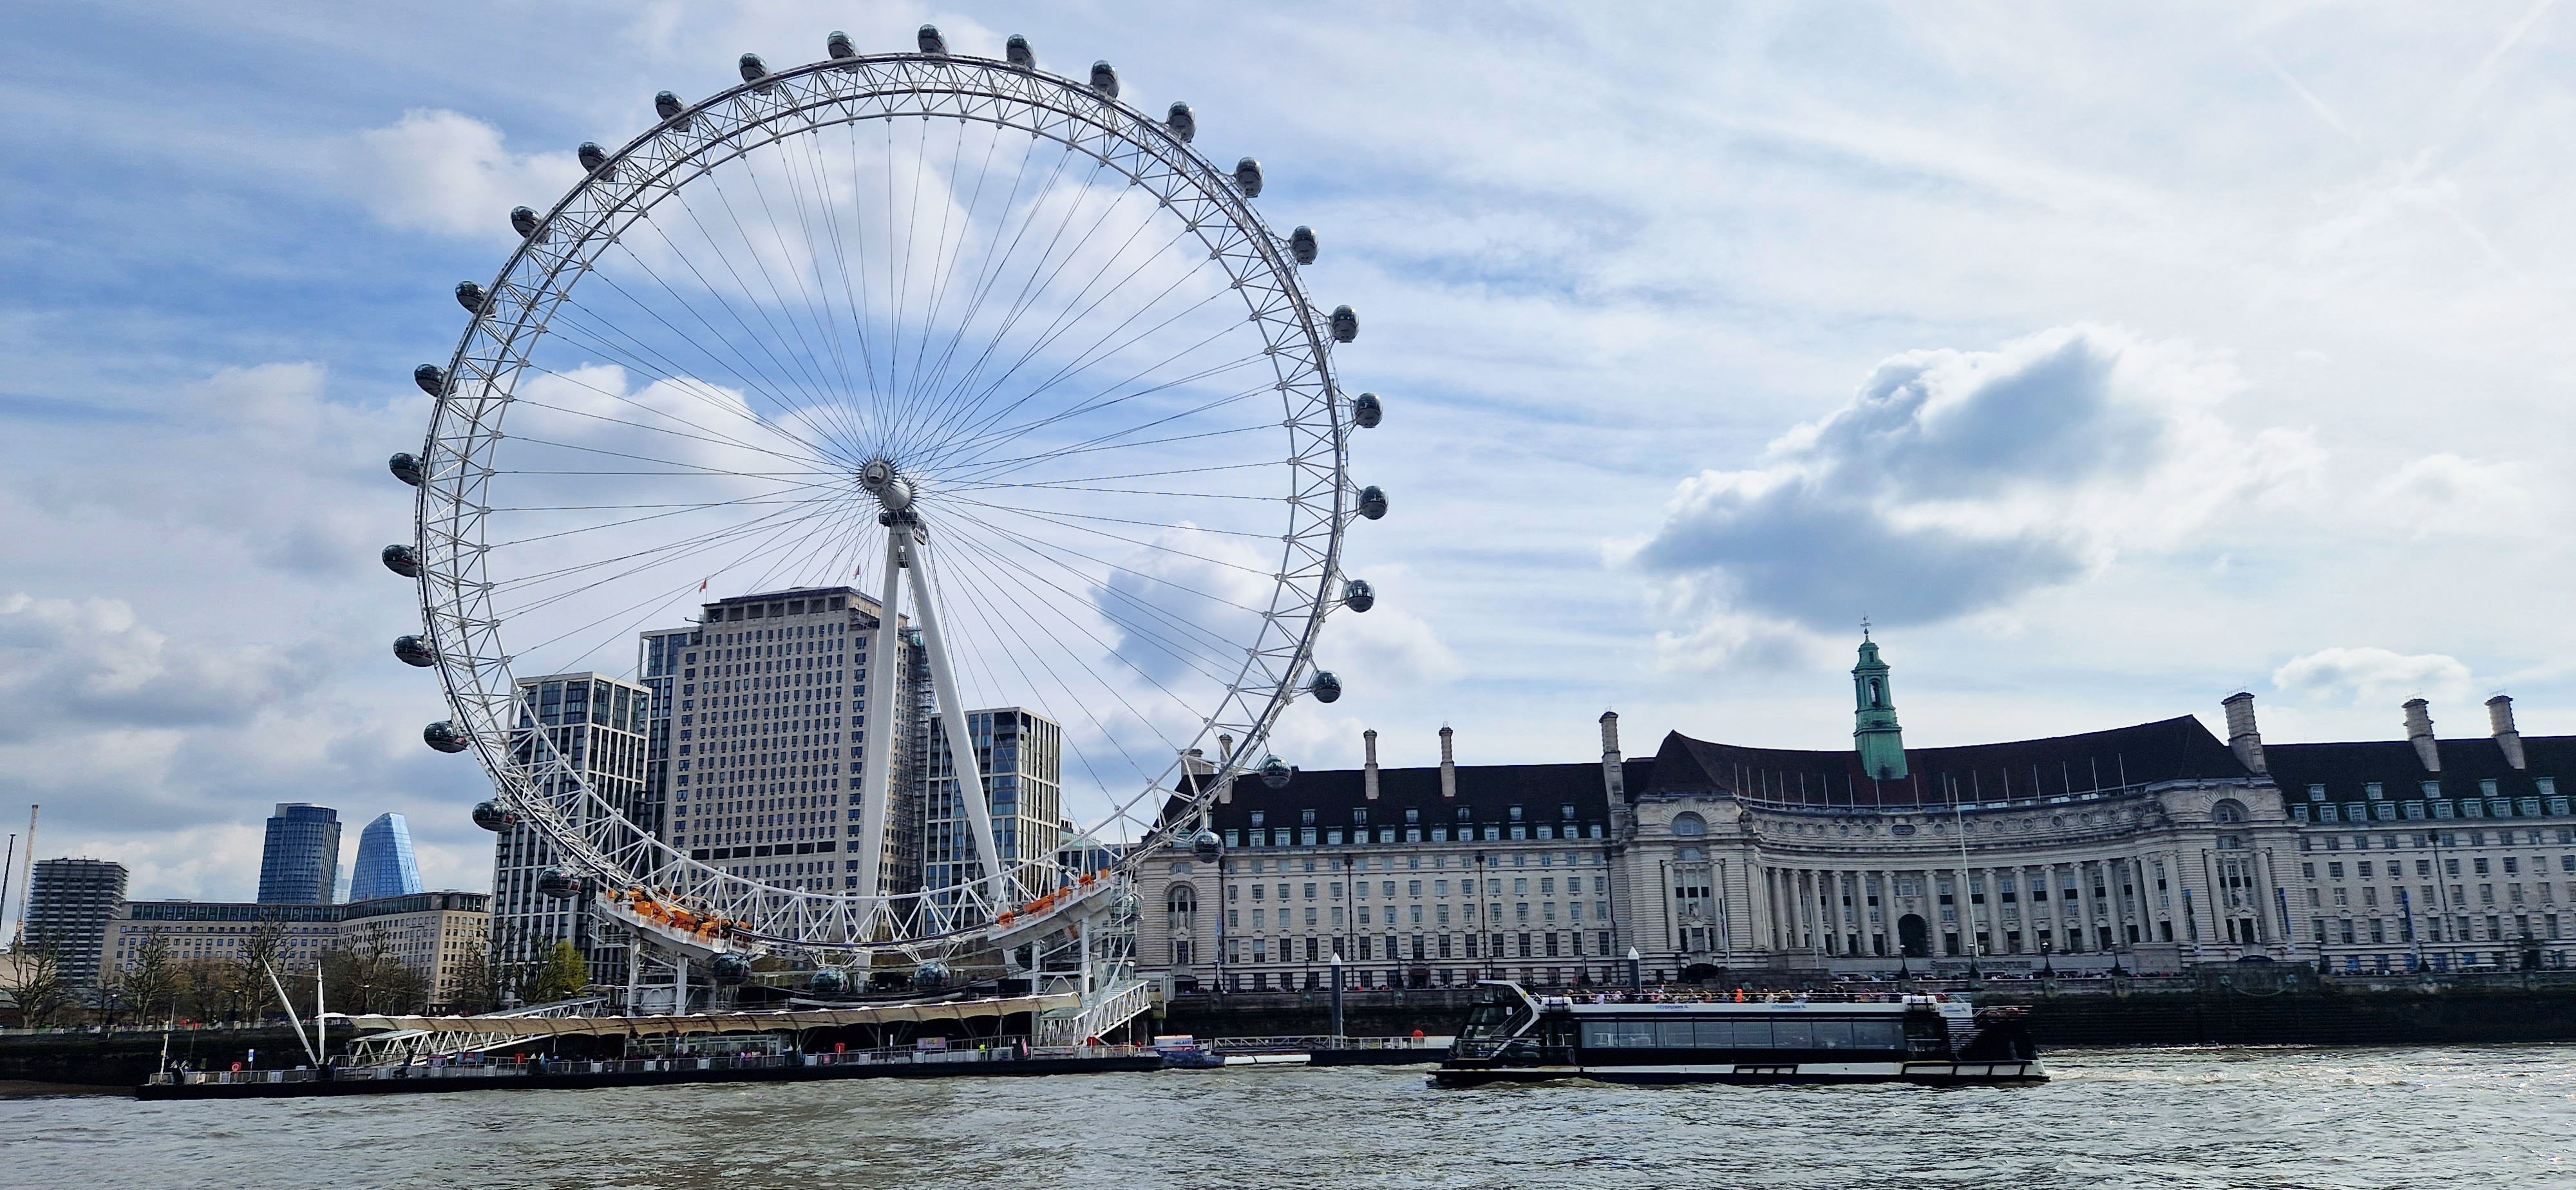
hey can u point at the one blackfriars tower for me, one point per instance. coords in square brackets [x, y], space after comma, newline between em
[302, 856]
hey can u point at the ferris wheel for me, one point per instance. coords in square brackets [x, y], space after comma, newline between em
[1005, 369]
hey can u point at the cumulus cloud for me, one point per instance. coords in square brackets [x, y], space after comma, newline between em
[1957, 481]
[2448, 494]
[443, 172]
[68, 664]
[2373, 676]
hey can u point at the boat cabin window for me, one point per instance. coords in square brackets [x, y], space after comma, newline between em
[1497, 1012]
[1740, 1033]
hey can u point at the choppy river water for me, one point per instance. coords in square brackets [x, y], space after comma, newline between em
[2485, 1118]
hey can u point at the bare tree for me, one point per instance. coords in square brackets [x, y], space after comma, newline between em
[151, 986]
[36, 983]
[371, 977]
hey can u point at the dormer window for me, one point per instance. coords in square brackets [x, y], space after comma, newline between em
[1256, 818]
[1306, 817]
[2316, 793]
[1516, 813]
[2487, 787]
[2371, 789]
[1412, 816]
[1565, 812]
[1359, 815]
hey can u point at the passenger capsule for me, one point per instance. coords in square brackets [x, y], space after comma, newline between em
[565, 884]
[1104, 79]
[753, 69]
[838, 45]
[1346, 324]
[730, 969]
[669, 107]
[444, 736]
[829, 983]
[1367, 411]
[1325, 686]
[1358, 596]
[494, 817]
[1301, 245]
[470, 296]
[592, 156]
[1372, 502]
[431, 379]
[1182, 123]
[1247, 177]
[412, 650]
[930, 977]
[406, 468]
[1206, 847]
[402, 560]
[931, 41]
[1020, 55]
[524, 221]
[1276, 773]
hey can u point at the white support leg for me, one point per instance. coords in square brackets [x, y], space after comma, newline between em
[961, 743]
[876, 765]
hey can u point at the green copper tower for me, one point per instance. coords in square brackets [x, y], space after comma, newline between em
[1880, 742]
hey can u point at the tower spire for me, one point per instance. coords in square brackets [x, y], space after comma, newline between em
[1875, 735]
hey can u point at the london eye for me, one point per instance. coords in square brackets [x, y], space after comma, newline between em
[1011, 359]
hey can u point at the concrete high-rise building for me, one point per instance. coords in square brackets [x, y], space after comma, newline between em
[596, 723]
[69, 905]
[302, 855]
[658, 665]
[767, 742]
[386, 867]
[1021, 755]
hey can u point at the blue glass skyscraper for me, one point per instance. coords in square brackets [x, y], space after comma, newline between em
[301, 855]
[385, 864]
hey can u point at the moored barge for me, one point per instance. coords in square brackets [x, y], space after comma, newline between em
[1511, 1036]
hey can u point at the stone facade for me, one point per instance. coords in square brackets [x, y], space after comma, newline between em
[2142, 849]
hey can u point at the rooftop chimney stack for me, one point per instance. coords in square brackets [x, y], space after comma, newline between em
[2243, 737]
[2419, 732]
[2500, 720]
[1368, 740]
[1225, 765]
[1613, 776]
[1448, 766]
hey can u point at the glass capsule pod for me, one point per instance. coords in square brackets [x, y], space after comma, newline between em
[1367, 411]
[1276, 773]
[406, 468]
[414, 651]
[829, 982]
[559, 883]
[1181, 122]
[730, 969]
[523, 220]
[1325, 686]
[402, 560]
[930, 977]
[445, 736]
[838, 45]
[494, 817]
[1247, 177]
[430, 377]
[1372, 502]
[1019, 54]
[1104, 79]
[470, 296]
[1301, 244]
[1358, 595]
[930, 40]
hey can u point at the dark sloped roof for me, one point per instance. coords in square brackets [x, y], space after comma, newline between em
[2343, 768]
[1486, 791]
[2179, 748]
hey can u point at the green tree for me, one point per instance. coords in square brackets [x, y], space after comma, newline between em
[563, 977]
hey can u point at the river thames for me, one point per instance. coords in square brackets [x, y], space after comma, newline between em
[2483, 1117]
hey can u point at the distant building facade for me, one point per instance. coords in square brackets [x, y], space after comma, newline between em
[69, 905]
[300, 858]
[597, 725]
[1020, 754]
[441, 935]
[386, 866]
[2140, 849]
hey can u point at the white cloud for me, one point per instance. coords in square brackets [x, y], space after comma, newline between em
[1957, 481]
[2447, 494]
[2373, 677]
[443, 172]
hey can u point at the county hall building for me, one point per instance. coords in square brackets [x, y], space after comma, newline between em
[2142, 849]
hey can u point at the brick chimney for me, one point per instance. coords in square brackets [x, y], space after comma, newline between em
[1368, 740]
[2500, 721]
[1613, 777]
[1448, 766]
[2243, 737]
[2419, 732]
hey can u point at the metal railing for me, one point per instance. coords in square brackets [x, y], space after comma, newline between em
[1003, 1049]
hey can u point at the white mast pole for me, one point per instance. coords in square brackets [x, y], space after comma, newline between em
[961, 743]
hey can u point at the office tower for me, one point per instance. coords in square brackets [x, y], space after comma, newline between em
[1021, 755]
[68, 908]
[596, 724]
[301, 856]
[386, 867]
[433, 933]
[658, 665]
[768, 741]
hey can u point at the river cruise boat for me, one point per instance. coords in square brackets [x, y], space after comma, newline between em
[1512, 1036]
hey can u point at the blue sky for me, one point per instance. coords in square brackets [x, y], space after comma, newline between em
[2110, 360]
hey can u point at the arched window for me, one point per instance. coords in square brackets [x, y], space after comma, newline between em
[1689, 825]
[2227, 810]
[1877, 694]
[1183, 904]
